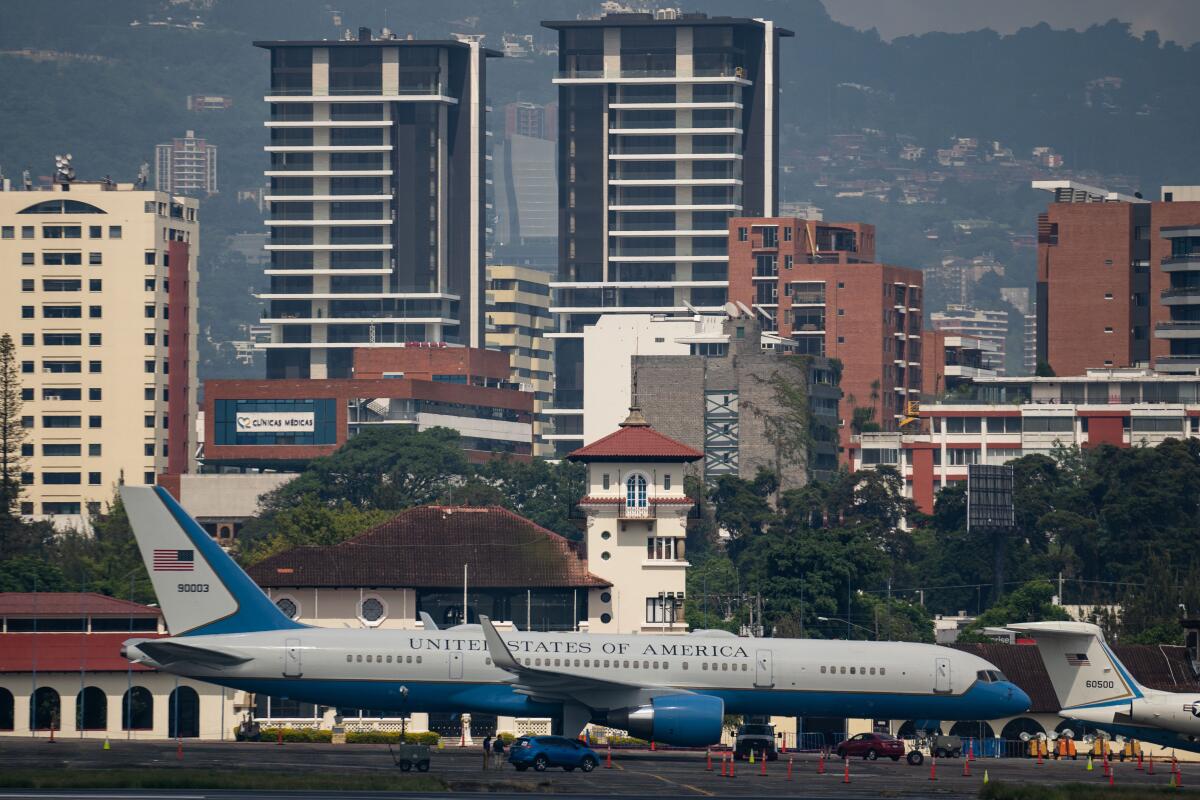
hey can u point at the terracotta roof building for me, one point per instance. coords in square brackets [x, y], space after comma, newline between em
[515, 571]
[635, 441]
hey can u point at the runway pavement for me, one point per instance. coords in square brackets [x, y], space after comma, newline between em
[639, 774]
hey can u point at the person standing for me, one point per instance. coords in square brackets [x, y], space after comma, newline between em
[498, 750]
[487, 750]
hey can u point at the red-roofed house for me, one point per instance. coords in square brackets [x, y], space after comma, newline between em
[61, 666]
[636, 528]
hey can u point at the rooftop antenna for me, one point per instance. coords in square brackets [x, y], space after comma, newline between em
[64, 173]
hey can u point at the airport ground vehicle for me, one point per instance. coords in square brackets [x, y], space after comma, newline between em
[408, 756]
[758, 739]
[541, 752]
[946, 746]
[248, 730]
[871, 746]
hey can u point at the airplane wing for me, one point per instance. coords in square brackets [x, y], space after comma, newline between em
[172, 652]
[548, 685]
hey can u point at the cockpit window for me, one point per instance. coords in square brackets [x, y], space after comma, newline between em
[991, 676]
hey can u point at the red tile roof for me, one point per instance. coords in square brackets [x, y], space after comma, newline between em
[638, 443]
[66, 652]
[70, 604]
[426, 547]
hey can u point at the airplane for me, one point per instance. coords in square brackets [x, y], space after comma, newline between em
[1094, 687]
[672, 689]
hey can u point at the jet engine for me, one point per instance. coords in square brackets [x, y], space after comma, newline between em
[687, 720]
[1171, 713]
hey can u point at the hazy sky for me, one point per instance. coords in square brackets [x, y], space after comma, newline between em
[1173, 19]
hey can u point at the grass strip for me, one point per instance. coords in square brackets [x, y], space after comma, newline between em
[1077, 791]
[213, 779]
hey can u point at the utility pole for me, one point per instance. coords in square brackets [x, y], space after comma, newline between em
[1060, 588]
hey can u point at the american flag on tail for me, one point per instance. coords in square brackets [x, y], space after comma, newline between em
[174, 560]
[1078, 660]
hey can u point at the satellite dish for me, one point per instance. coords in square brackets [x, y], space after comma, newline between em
[745, 310]
[731, 310]
[1025, 737]
[1089, 738]
[1070, 734]
[1053, 736]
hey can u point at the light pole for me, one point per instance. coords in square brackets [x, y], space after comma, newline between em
[870, 633]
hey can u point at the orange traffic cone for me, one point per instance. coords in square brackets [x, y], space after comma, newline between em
[179, 749]
[708, 759]
[52, 734]
[821, 764]
[1150, 766]
[789, 777]
[846, 774]
[1139, 766]
[732, 766]
[763, 761]
[933, 769]
[971, 751]
[967, 768]
[608, 758]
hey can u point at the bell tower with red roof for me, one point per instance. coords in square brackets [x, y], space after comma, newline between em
[636, 528]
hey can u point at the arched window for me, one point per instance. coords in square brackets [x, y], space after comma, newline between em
[183, 713]
[91, 709]
[137, 710]
[972, 729]
[62, 207]
[45, 710]
[6, 710]
[1016, 727]
[635, 491]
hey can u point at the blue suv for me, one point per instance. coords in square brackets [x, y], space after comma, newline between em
[540, 752]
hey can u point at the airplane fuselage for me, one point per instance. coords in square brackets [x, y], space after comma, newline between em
[451, 670]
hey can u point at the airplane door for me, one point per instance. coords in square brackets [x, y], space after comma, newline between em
[763, 674]
[941, 675]
[291, 658]
[456, 665]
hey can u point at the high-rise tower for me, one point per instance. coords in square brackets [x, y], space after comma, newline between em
[377, 198]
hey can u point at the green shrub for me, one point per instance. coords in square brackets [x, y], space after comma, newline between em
[301, 735]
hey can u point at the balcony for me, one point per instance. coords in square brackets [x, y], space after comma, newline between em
[626, 511]
[1177, 330]
[1181, 296]
[1181, 263]
[1184, 364]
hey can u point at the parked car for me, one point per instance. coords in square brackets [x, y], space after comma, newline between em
[758, 739]
[871, 746]
[540, 752]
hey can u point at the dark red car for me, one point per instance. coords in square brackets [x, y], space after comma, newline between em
[871, 746]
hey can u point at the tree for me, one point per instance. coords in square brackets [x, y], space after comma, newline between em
[1029, 603]
[12, 432]
[540, 491]
[307, 522]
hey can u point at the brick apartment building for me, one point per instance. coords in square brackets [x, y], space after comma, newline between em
[284, 423]
[818, 283]
[1118, 284]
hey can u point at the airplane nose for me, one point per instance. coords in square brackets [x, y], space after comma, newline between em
[1018, 701]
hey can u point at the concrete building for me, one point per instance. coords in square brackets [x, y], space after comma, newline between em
[1117, 279]
[526, 202]
[61, 668]
[727, 399]
[187, 165]
[518, 321]
[222, 503]
[951, 362]
[108, 377]
[283, 424]
[818, 285]
[531, 119]
[668, 125]
[985, 325]
[378, 195]
[209, 102]
[998, 419]
[1021, 300]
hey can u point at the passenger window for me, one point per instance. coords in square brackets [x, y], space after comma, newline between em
[408, 660]
[852, 670]
[577, 662]
[349, 658]
[389, 659]
[745, 667]
[359, 658]
[704, 665]
[626, 665]
[685, 666]
[418, 659]
[843, 670]
[656, 665]
[558, 662]
[822, 670]
[537, 662]
[872, 670]
[487, 660]
[724, 667]
[882, 671]
[606, 663]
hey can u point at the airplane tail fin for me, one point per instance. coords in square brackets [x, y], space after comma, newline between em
[1081, 666]
[199, 587]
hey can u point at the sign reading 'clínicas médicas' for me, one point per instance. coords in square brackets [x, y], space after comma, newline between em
[276, 422]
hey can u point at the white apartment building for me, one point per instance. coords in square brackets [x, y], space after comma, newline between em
[377, 198]
[99, 294]
[668, 126]
[985, 325]
[186, 165]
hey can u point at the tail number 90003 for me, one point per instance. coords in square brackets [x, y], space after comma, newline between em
[193, 587]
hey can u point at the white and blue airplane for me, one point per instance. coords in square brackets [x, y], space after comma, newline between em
[1094, 687]
[673, 689]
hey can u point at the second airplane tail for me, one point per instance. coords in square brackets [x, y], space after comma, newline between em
[1082, 668]
[199, 587]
